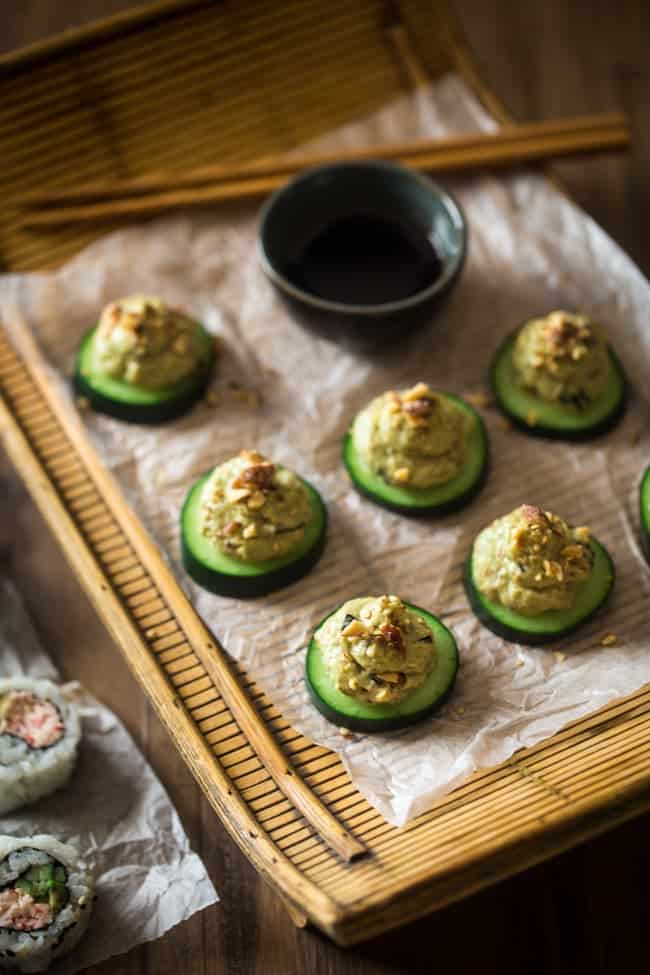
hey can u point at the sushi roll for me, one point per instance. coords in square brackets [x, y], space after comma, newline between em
[39, 736]
[46, 898]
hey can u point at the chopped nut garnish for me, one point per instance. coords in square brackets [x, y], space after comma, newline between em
[355, 628]
[609, 640]
[256, 501]
[393, 636]
[391, 677]
[250, 531]
[382, 694]
[230, 528]
[238, 494]
[477, 398]
[259, 476]
[346, 733]
[418, 407]
[420, 391]
[252, 456]
[583, 534]
[572, 552]
[402, 475]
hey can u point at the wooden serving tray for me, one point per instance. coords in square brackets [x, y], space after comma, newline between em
[134, 94]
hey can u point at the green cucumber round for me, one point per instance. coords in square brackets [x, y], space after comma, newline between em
[133, 404]
[542, 419]
[224, 575]
[554, 623]
[347, 712]
[644, 504]
[439, 500]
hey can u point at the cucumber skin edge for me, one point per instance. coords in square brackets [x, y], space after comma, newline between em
[519, 636]
[163, 412]
[375, 725]
[644, 517]
[550, 433]
[438, 511]
[251, 587]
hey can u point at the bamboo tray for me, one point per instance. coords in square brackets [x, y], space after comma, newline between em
[128, 96]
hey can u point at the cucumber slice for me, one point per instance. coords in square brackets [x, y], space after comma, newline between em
[417, 502]
[542, 419]
[124, 401]
[346, 712]
[644, 503]
[227, 576]
[553, 624]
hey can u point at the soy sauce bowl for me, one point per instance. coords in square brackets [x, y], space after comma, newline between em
[369, 249]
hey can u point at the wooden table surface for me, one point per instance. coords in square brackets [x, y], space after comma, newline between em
[585, 911]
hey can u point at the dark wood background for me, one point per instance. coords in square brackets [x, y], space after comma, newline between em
[585, 911]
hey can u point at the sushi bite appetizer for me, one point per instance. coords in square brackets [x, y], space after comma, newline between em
[46, 899]
[417, 452]
[531, 578]
[251, 526]
[144, 362]
[558, 377]
[39, 737]
[644, 504]
[378, 664]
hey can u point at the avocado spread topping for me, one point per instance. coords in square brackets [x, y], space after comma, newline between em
[531, 561]
[562, 358]
[145, 342]
[377, 649]
[254, 510]
[414, 438]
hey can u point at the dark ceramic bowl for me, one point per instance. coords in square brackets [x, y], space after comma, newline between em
[320, 197]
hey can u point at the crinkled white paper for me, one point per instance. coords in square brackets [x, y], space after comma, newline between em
[530, 251]
[115, 811]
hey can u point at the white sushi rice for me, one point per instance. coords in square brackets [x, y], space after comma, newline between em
[34, 951]
[29, 773]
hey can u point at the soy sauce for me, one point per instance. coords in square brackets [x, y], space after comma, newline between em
[366, 259]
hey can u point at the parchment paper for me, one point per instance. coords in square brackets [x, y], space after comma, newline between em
[115, 811]
[530, 251]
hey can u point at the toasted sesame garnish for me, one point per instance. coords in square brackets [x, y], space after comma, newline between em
[355, 628]
[609, 640]
[346, 733]
[560, 657]
[402, 475]
[532, 418]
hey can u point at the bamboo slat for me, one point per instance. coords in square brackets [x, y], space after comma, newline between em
[144, 72]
